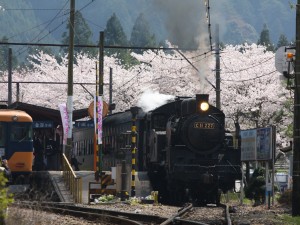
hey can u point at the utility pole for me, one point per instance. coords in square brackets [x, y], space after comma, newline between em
[296, 149]
[218, 79]
[99, 164]
[110, 89]
[70, 79]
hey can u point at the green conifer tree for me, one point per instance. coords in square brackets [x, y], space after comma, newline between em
[82, 36]
[141, 35]
[265, 39]
[282, 41]
[115, 36]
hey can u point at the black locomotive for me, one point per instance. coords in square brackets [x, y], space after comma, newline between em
[186, 150]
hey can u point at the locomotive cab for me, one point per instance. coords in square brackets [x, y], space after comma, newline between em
[157, 136]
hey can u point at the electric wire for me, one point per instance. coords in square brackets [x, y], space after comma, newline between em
[21, 51]
[125, 83]
[193, 57]
[55, 17]
[250, 79]
[250, 67]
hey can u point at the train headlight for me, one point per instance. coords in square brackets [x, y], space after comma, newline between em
[14, 118]
[202, 103]
[204, 106]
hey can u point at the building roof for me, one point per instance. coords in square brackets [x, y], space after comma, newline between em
[39, 113]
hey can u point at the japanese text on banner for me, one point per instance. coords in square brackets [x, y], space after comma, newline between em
[65, 120]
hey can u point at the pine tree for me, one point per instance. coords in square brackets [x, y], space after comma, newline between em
[115, 36]
[114, 32]
[265, 39]
[282, 41]
[140, 35]
[82, 36]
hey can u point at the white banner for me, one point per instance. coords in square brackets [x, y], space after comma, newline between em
[99, 116]
[65, 121]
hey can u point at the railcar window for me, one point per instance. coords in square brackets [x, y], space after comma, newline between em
[2, 135]
[91, 146]
[21, 132]
[159, 122]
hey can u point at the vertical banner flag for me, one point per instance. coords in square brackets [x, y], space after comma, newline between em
[65, 120]
[95, 115]
[98, 115]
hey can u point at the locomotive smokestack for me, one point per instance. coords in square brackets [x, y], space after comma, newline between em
[202, 97]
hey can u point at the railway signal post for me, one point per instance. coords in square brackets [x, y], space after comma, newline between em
[134, 112]
[99, 107]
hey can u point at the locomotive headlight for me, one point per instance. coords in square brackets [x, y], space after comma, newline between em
[202, 103]
[204, 106]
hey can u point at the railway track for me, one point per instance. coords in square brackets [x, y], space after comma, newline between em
[187, 215]
[190, 215]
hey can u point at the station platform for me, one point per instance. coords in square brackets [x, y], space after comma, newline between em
[142, 185]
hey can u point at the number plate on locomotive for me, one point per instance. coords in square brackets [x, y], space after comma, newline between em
[202, 125]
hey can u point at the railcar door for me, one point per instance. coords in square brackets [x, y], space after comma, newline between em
[19, 151]
[3, 141]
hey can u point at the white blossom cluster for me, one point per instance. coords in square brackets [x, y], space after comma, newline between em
[251, 91]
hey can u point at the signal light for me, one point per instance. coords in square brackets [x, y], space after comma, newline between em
[289, 56]
[202, 103]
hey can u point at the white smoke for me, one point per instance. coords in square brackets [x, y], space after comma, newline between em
[150, 100]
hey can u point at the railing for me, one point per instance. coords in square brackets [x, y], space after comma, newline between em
[73, 182]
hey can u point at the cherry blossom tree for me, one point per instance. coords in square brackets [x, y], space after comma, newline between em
[251, 91]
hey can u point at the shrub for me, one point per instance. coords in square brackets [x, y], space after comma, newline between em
[256, 188]
[5, 198]
[286, 198]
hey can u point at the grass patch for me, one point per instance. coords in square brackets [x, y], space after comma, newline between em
[289, 220]
[234, 197]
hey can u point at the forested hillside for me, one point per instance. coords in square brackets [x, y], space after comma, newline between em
[239, 20]
[142, 23]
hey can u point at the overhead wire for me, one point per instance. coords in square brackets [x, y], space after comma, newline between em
[55, 17]
[125, 83]
[193, 57]
[250, 67]
[21, 51]
[254, 78]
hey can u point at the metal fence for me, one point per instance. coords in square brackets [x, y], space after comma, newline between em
[73, 182]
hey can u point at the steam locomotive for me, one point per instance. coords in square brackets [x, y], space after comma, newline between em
[183, 145]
